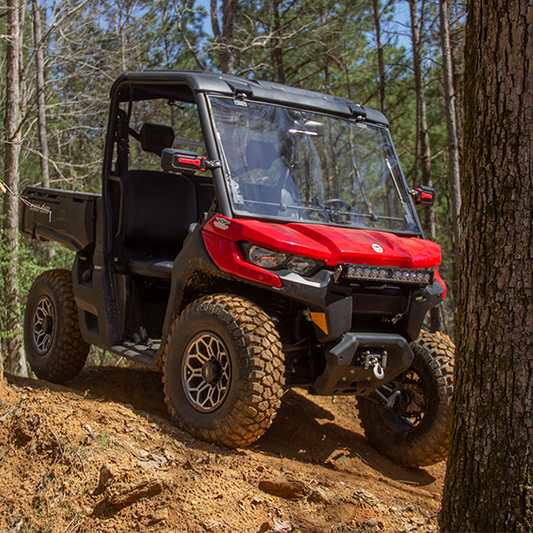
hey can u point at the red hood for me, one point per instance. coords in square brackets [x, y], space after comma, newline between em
[331, 244]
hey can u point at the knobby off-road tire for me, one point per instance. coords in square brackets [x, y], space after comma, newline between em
[223, 372]
[55, 348]
[419, 436]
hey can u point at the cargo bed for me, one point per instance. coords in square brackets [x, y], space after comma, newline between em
[62, 216]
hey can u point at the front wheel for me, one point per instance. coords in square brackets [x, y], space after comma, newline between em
[223, 370]
[412, 427]
[54, 345]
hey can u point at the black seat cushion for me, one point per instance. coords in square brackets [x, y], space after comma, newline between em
[151, 267]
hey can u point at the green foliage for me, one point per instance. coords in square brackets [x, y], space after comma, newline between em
[33, 259]
[103, 439]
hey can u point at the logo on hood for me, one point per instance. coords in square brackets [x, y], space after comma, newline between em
[377, 248]
[221, 223]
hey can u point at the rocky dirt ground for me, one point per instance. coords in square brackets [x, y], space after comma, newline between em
[102, 456]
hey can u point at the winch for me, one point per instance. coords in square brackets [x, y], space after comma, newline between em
[378, 362]
[362, 362]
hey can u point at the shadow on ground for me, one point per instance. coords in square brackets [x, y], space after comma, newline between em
[317, 430]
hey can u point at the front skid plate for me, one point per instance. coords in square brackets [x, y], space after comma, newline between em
[345, 371]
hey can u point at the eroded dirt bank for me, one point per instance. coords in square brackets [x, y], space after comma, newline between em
[102, 456]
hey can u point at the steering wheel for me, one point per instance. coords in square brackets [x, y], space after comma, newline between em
[338, 210]
[338, 204]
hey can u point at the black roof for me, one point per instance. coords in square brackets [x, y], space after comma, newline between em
[183, 84]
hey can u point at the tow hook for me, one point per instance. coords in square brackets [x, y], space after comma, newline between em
[378, 363]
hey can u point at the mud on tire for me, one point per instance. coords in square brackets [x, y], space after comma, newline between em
[416, 431]
[55, 348]
[223, 372]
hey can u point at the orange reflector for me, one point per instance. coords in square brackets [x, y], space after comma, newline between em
[320, 320]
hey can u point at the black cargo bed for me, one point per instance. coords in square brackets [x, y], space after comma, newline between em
[62, 216]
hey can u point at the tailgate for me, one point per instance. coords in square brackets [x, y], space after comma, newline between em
[62, 216]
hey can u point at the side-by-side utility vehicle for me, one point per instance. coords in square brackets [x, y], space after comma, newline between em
[250, 237]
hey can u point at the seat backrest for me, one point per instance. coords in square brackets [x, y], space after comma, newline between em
[260, 154]
[158, 209]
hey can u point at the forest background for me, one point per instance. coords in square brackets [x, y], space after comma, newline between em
[59, 58]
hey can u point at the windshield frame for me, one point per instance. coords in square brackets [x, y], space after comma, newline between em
[397, 176]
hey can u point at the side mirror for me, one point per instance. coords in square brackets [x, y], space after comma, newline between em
[423, 195]
[182, 161]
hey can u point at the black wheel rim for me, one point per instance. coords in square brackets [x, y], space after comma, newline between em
[43, 325]
[410, 403]
[206, 372]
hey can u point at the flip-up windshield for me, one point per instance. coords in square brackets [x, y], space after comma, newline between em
[303, 166]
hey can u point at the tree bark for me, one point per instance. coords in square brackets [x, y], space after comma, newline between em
[488, 485]
[454, 175]
[13, 348]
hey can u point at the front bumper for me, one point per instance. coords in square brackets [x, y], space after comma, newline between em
[360, 363]
[397, 309]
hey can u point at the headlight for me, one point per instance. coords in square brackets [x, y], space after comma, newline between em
[301, 265]
[265, 258]
[271, 259]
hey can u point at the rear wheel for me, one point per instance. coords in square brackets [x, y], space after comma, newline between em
[55, 348]
[413, 428]
[223, 370]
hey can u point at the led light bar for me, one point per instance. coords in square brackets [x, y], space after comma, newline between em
[381, 273]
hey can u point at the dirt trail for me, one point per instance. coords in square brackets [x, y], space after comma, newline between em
[101, 455]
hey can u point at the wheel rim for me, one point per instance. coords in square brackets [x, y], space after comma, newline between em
[206, 372]
[410, 405]
[43, 325]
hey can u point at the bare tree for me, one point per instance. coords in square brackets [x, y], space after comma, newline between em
[224, 37]
[180, 11]
[41, 100]
[381, 61]
[278, 46]
[423, 129]
[454, 175]
[13, 348]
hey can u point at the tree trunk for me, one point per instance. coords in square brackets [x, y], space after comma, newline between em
[224, 38]
[489, 480]
[278, 46]
[423, 135]
[13, 348]
[23, 102]
[425, 147]
[381, 62]
[41, 100]
[451, 123]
